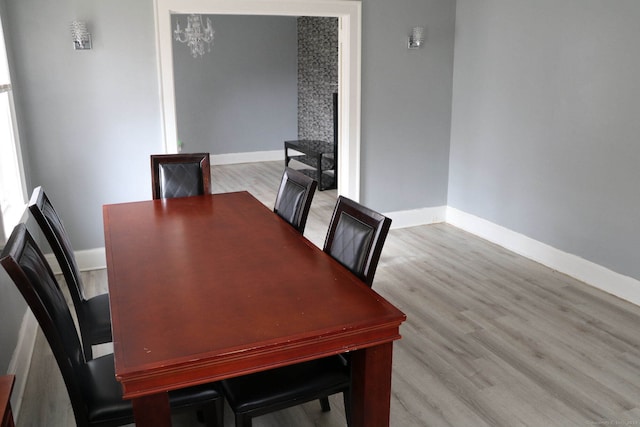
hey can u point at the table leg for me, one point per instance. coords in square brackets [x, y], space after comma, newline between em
[152, 410]
[319, 170]
[371, 386]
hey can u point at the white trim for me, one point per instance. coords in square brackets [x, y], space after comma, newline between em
[251, 157]
[349, 13]
[21, 359]
[593, 274]
[23, 218]
[415, 217]
[90, 259]
[3, 237]
[53, 263]
[18, 145]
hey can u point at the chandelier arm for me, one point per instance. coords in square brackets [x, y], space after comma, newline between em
[195, 35]
[179, 38]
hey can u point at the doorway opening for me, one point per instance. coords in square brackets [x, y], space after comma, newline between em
[349, 18]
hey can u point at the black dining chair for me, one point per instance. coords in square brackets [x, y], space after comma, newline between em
[180, 175]
[96, 396]
[355, 238]
[294, 198]
[93, 314]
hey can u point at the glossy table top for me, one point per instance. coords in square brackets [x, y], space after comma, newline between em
[6, 386]
[208, 287]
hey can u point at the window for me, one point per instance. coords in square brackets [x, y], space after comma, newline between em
[12, 187]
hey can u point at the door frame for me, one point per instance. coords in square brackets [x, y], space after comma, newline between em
[349, 14]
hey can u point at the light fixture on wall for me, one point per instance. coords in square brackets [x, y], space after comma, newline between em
[81, 36]
[416, 38]
[195, 35]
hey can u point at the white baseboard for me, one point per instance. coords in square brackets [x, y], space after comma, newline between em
[415, 217]
[90, 259]
[591, 273]
[21, 359]
[252, 157]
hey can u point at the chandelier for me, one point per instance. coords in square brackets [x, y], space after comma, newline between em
[195, 35]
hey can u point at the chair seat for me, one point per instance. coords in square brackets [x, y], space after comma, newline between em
[287, 386]
[106, 405]
[98, 321]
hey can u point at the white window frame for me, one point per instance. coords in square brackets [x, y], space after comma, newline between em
[11, 210]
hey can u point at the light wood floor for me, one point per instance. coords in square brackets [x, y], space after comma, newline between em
[491, 338]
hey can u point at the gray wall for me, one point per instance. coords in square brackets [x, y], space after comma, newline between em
[90, 119]
[406, 103]
[546, 107]
[241, 96]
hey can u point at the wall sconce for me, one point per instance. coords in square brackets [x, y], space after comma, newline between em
[195, 35]
[81, 36]
[416, 38]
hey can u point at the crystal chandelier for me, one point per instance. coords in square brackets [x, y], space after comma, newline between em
[195, 35]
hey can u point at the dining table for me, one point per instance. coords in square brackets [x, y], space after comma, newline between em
[216, 286]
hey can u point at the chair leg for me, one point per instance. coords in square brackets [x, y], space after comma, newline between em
[347, 406]
[324, 404]
[88, 350]
[219, 406]
[243, 420]
[212, 415]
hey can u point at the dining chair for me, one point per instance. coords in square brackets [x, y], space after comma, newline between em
[294, 198]
[355, 238]
[96, 396]
[180, 175]
[94, 318]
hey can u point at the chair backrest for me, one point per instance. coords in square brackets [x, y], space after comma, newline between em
[27, 267]
[294, 198]
[180, 175]
[51, 225]
[356, 236]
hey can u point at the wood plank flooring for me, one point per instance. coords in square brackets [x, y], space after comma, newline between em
[491, 338]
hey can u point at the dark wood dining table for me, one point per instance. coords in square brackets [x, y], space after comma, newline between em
[211, 287]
